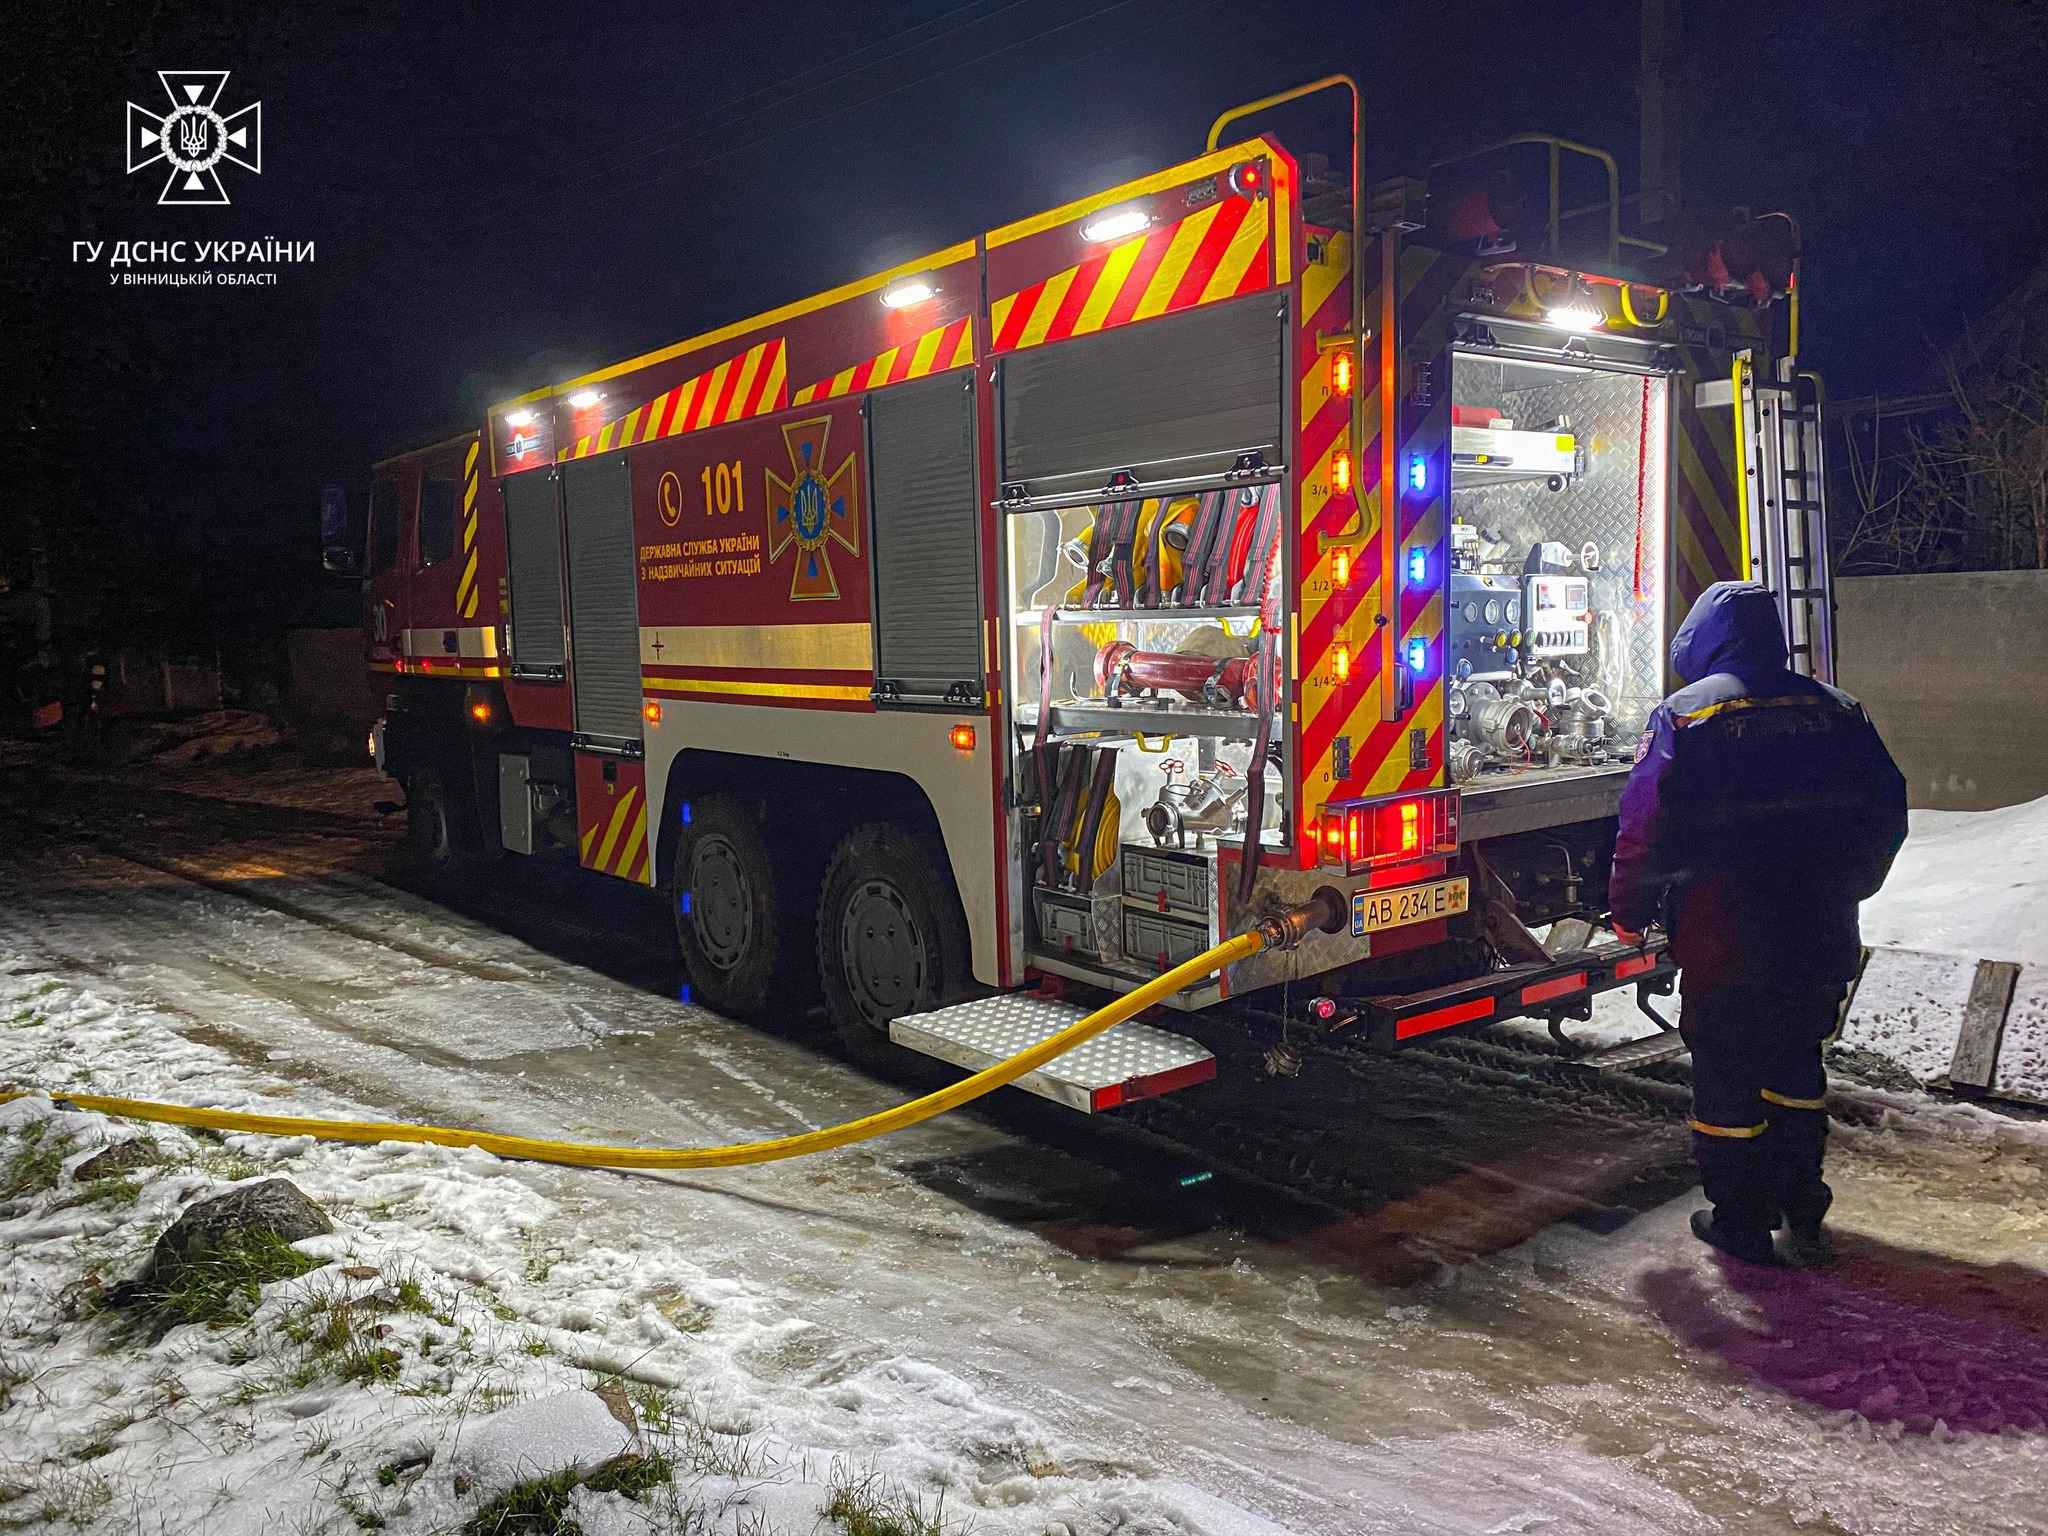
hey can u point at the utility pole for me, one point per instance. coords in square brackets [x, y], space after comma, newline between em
[1657, 112]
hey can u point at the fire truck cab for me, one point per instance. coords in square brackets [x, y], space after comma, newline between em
[1049, 608]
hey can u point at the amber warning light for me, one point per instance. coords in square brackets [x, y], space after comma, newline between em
[962, 736]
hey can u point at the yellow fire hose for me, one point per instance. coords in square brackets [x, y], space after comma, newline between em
[1282, 932]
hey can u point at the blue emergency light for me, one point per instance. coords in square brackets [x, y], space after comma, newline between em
[1418, 472]
[1418, 655]
[1418, 566]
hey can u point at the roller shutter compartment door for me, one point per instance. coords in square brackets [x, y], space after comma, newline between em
[533, 559]
[926, 543]
[1180, 395]
[604, 603]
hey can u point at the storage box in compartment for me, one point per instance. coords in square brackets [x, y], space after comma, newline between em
[1083, 926]
[1161, 942]
[1167, 882]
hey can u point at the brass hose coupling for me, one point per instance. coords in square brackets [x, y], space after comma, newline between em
[1324, 912]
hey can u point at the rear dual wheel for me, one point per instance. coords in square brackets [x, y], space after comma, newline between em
[891, 938]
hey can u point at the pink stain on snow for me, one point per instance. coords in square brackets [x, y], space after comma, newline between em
[1897, 1336]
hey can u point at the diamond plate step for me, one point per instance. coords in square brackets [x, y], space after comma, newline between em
[1131, 1061]
[1661, 1046]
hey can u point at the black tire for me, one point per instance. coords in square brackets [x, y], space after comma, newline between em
[743, 910]
[437, 833]
[892, 939]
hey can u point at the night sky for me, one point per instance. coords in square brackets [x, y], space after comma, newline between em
[501, 196]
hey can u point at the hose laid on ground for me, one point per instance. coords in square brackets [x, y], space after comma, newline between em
[1282, 933]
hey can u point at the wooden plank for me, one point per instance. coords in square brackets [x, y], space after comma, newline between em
[1976, 1058]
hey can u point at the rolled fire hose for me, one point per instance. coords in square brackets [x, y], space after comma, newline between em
[1282, 932]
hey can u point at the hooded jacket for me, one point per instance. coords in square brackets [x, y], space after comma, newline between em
[1762, 809]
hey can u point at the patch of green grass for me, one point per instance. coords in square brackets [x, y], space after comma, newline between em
[33, 1167]
[534, 1345]
[116, 1190]
[231, 1167]
[366, 1364]
[222, 1286]
[631, 1475]
[537, 1508]
[869, 1506]
[541, 1507]
[412, 1296]
[360, 1510]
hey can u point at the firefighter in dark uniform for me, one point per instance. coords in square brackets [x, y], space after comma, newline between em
[1763, 808]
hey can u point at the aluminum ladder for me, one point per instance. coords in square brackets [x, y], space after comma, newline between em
[1785, 531]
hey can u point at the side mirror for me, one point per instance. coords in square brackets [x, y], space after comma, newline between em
[342, 534]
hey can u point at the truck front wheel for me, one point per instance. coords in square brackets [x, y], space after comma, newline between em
[892, 939]
[435, 830]
[741, 905]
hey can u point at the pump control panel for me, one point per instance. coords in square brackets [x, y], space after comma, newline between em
[1560, 615]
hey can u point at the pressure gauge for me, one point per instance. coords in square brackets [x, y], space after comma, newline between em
[1493, 610]
[1514, 610]
[1471, 613]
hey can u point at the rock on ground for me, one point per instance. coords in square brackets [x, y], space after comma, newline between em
[272, 1205]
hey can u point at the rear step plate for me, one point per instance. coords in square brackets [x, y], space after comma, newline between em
[1661, 1046]
[1131, 1061]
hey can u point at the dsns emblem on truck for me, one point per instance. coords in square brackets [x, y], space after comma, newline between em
[813, 510]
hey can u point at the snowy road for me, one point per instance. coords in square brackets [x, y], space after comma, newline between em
[1477, 1311]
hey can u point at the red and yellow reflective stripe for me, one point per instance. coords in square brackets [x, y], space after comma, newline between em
[618, 846]
[751, 384]
[949, 346]
[465, 589]
[1214, 253]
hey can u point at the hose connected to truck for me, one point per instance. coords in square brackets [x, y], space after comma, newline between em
[1324, 911]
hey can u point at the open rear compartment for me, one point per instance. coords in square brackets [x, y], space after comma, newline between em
[1556, 612]
[1137, 627]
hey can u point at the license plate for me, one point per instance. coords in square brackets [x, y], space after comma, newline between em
[1397, 908]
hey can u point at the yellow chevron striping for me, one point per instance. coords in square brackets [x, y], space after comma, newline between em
[611, 832]
[469, 608]
[964, 352]
[1050, 298]
[750, 364]
[1173, 266]
[468, 577]
[635, 840]
[1249, 240]
[1115, 272]
[924, 352]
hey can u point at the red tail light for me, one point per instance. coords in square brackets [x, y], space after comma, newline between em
[1401, 829]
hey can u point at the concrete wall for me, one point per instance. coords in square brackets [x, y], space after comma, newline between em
[1954, 670]
[330, 684]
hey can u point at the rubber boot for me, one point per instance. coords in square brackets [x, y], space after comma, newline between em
[1751, 1245]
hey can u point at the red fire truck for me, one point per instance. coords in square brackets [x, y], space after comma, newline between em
[1040, 612]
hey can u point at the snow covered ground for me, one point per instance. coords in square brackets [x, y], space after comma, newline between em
[1968, 886]
[878, 1314]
